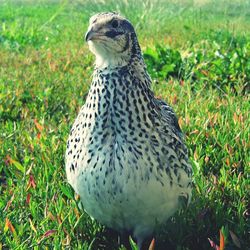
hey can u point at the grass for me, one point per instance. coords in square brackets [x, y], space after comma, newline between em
[198, 56]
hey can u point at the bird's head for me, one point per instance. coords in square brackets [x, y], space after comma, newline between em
[112, 39]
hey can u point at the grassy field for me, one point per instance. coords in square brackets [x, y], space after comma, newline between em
[198, 54]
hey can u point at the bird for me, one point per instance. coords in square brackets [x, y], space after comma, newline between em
[126, 157]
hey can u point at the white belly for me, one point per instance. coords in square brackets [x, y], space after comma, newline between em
[125, 195]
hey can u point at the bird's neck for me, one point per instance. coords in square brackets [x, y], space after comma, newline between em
[111, 61]
[135, 67]
[120, 97]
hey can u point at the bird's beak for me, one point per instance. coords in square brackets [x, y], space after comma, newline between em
[91, 34]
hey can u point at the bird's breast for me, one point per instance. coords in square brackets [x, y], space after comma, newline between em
[110, 134]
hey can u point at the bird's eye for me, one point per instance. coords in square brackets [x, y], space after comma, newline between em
[114, 24]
